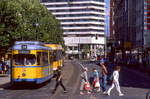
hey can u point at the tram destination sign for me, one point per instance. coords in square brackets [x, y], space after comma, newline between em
[24, 52]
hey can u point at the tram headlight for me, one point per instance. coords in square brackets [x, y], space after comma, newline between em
[23, 74]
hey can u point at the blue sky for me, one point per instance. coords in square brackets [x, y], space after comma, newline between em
[107, 17]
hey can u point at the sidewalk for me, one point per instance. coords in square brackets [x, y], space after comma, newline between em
[4, 79]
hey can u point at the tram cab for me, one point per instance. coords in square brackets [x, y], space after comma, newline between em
[31, 62]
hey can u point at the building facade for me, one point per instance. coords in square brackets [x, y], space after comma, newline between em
[112, 37]
[139, 23]
[131, 27]
[147, 23]
[83, 22]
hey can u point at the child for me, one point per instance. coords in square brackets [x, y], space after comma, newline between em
[96, 84]
[84, 80]
[115, 82]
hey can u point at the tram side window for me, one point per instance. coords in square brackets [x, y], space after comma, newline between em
[45, 58]
[59, 54]
[51, 58]
[55, 56]
[39, 58]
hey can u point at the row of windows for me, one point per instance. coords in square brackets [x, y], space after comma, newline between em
[69, 1]
[78, 10]
[82, 25]
[85, 35]
[75, 5]
[80, 15]
[82, 20]
[42, 57]
[84, 30]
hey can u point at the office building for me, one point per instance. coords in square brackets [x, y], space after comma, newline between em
[83, 22]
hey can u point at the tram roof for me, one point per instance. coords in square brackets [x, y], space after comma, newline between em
[54, 46]
[29, 42]
[30, 45]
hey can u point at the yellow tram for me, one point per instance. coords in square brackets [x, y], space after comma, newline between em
[57, 55]
[32, 61]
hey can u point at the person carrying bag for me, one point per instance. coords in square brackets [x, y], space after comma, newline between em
[96, 84]
[85, 85]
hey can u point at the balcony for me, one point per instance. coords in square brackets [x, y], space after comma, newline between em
[84, 40]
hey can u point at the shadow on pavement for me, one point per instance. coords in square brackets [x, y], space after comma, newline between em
[131, 78]
[23, 86]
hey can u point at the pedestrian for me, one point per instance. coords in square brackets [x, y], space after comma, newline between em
[4, 67]
[1, 70]
[96, 83]
[84, 81]
[115, 81]
[103, 80]
[58, 76]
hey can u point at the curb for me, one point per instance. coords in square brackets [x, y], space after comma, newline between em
[4, 75]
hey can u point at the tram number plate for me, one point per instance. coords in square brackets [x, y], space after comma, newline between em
[24, 51]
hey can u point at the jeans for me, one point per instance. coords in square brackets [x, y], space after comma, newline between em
[103, 82]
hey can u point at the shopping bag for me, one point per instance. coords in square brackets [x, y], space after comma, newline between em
[96, 84]
[87, 86]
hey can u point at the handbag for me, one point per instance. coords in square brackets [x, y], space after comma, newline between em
[87, 86]
[96, 84]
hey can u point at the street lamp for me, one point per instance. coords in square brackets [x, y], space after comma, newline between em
[21, 36]
[36, 35]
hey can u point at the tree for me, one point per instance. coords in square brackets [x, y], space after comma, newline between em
[27, 20]
[86, 50]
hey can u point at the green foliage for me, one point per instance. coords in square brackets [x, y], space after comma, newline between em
[27, 20]
[86, 48]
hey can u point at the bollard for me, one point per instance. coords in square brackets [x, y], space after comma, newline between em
[148, 95]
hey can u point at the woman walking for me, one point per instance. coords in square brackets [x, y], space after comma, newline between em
[96, 84]
[84, 81]
[115, 82]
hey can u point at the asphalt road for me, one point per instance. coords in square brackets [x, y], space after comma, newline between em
[134, 85]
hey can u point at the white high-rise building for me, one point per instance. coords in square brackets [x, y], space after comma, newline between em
[83, 22]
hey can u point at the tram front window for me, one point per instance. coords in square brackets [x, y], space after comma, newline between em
[24, 59]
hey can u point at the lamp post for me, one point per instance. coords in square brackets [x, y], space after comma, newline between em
[36, 35]
[21, 36]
